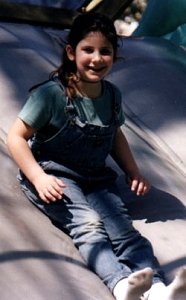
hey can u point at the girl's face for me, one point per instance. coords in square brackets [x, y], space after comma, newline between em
[94, 57]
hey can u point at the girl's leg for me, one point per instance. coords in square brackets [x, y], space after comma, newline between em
[130, 247]
[86, 229]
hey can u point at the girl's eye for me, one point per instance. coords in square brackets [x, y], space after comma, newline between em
[88, 50]
[106, 51]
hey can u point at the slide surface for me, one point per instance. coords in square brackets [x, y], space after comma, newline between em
[38, 261]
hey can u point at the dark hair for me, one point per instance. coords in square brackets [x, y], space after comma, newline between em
[82, 25]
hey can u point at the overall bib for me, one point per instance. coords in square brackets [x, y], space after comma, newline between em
[91, 210]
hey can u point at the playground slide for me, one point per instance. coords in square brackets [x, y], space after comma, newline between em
[41, 264]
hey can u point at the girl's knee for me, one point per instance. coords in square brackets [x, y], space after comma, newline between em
[90, 229]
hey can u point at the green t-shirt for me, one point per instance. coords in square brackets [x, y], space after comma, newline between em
[44, 109]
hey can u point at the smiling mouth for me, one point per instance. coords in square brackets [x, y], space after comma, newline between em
[96, 70]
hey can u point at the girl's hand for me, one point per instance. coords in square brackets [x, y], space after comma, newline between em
[139, 184]
[49, 187]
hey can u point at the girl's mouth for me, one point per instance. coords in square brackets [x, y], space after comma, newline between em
[96, 70]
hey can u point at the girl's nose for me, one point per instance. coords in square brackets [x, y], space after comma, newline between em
[97, 56]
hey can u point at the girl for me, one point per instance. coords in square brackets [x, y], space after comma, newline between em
[72, 123]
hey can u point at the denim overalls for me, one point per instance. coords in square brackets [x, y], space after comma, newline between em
[91, 210]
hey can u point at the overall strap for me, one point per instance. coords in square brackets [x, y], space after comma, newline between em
[116, 105]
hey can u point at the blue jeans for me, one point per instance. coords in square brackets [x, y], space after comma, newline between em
[96, 219]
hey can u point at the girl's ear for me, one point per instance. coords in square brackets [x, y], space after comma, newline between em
[70, 52]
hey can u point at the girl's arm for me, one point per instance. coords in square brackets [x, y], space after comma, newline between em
[122, 154]
[48, 187]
